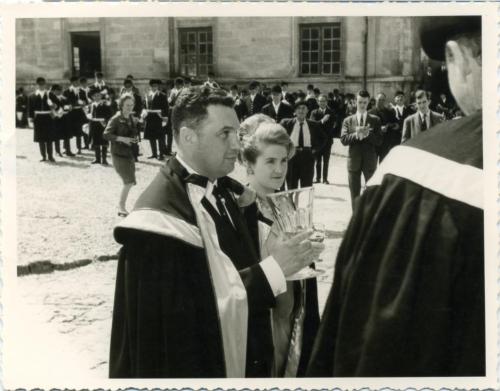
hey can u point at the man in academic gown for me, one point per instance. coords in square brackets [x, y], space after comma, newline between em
[408, 292]
[155, 115]
[192, 297]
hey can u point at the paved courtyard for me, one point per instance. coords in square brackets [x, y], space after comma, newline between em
[67, 256]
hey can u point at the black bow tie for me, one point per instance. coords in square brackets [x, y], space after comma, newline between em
[196, 179]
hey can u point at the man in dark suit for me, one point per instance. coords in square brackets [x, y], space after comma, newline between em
[325, 116]
[308, 138]
[312, 98]
[255, 100]
[155, 116]
[389, 126]
[277, 109]
[239, 105]
[286, 94]
[422, 120]
[361, 132]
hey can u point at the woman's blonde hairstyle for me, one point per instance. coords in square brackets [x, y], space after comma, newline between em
[258, 130]
[123, 99]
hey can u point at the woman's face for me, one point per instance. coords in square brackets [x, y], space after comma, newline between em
[127, 107]
[270, 167]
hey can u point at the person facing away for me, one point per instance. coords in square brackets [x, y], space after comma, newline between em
[193, 297]
[422, 120]
[408, 292]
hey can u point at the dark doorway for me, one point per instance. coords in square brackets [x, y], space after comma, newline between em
[86, 53]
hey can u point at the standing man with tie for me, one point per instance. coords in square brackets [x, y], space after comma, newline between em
[40, 118]
[277, 109]
[326, 118]
[361, 132]
[156, 116]
[308, 138]
[192, 298]
[401, 111]
[422, 120]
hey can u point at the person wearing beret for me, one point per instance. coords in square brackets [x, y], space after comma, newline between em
[155, 115]
[40, 118]
[277, 109]
[408, 295]
[99, 115]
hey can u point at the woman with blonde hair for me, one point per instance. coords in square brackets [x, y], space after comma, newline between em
[122, 132]
[266, 150]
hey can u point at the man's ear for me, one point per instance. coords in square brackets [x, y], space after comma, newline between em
[457, 59]
[187, 135]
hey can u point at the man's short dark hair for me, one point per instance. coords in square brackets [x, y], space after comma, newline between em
[187, 79]
[253, 85]
[234, 87]
[127, 81]
[310, 87]
[336, 91]
[99, 74]
[420, 94]
[284, 84]
[191, 106]
[40, 80]
[129, 77]
[300, 103]
[83, 79]
[55, 87]
[364, 94]
[399, 93]
[179, 81]
[72, 79]
[276, 89]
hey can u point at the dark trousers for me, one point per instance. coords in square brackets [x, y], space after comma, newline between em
[355, 181]
[46, 150]
[57, 146]
[86, 140]
[300, 169]
[158, 144]
[168, 148]
[323, 159]
[67, 145]
[101, 152]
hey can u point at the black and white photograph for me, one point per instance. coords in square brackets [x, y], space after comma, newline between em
[249, 195]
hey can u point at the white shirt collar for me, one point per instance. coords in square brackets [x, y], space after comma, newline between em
[191, 170]
[40, 92]
[276, 106]
[360, 116]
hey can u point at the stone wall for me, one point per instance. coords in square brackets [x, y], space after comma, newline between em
[262, 48]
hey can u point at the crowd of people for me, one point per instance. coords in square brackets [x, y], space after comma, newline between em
[83, 110]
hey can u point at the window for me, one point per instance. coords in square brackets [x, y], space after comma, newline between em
[86, 53]
[320, 48]
[196, 51]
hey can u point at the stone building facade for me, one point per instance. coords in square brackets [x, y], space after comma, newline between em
[379, 53]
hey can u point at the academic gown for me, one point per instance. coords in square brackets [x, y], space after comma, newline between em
[166, 320]
[408, 291]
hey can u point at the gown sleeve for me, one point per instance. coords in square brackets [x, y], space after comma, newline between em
[408, 291]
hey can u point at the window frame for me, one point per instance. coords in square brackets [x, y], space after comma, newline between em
[183, 64]
[320, 63]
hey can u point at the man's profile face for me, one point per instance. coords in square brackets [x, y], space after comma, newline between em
[422, 104]
[217, 143]
[362, 103]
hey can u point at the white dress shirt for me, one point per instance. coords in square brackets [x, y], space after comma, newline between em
[276, 107]
[361, 118]
[269, 266]
[425, 118]
[295, 134]
[399, 111]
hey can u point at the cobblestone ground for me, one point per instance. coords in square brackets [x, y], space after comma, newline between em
[66, 212]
